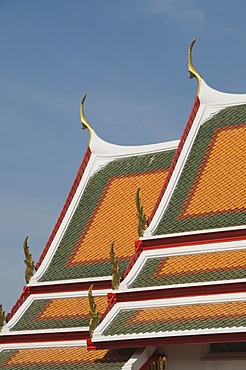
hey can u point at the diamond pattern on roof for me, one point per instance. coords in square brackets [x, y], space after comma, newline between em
[106, 212]
[210, 195]
[192, 268]
[119, 192]
[63, 358]
[58, 313]
[178, 318]
[210, 191]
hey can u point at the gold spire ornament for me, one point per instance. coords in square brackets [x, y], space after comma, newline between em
[192, 69]
[2, 317]
[142, 220]
[84, 122]
[28, 261]
[115, 268]
[94, 314]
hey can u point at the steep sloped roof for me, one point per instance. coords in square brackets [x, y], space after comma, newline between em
[190, 268]
[198, 281]
[206, 189]
[100, 208]
[106, 212]
[210, 191]
[57, 312]
[187, 291]
[173, 318]
[63, 358]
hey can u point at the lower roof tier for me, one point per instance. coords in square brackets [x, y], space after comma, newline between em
[190, 268]
[198, 315]
[59, 312]
[63, 358]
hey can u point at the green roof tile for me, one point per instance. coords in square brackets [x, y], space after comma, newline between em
[112, 360]
[57, 269]
[171, 221]
[192, 268]
[178, 318]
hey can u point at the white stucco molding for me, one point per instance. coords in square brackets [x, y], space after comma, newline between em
[211, 103]
[168, 302]
[102, 154]
[35, 297]
[179, 251]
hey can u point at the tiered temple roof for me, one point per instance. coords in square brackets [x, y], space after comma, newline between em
[182, 282]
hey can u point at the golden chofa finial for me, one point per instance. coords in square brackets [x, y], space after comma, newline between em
[29, 271]
[2, 317]
[192, 69]
[85, 123]
[94, 314]
[142, 219]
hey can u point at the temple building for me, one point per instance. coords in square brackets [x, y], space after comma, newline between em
[146, 265]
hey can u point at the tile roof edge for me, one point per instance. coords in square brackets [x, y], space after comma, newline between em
[211, 102]
[186, 131]
[205, 288]
[170, 241]
[70, 196]
[98, 336]
[167, 340]
[65, 207]
[32, 293]
[55, 336]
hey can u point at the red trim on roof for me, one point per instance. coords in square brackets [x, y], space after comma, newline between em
[72, 191]
[138, 251]
[194, 239]
[44, 337]
[111, 303]
[163, 341]
[186, 131]
[56, 288]
[159, 293]
[188, 291]
[68, 201]
[184, 241]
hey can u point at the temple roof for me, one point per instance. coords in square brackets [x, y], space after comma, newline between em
[182, 280]
[104, 211]
[59, 312]
[209, 193]
[174, 317]
[188, 265]
[63, 358]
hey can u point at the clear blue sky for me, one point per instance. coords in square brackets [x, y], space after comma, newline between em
[130, 56]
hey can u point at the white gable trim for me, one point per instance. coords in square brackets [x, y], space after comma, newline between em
[34, 297]
[212, 102]
[99, 158]
[179, 251]
[168, 302]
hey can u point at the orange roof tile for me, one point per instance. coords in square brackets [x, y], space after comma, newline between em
[70, 307]
[118, 201]
[201, 262]
[225, 160]
[45, 356]
[189, 312]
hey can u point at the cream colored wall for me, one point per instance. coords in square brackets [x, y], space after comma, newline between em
[188, 357]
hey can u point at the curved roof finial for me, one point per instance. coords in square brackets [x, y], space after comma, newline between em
[85, 123]
[192, 69]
